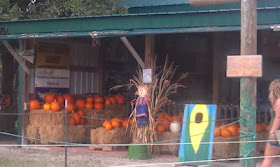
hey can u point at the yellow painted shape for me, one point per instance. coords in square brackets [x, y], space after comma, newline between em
[197, 129]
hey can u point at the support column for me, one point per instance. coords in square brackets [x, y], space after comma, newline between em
[216, 43]
[149, 50]
[248, 85]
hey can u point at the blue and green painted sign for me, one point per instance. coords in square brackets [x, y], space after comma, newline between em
[198, 129]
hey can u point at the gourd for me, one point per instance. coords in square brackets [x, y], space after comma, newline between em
[175, 127]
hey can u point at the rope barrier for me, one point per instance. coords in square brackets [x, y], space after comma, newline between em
[199, 161]
[154, 143]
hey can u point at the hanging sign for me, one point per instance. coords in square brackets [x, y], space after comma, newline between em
[52, 67]
[198, 130]
[244, 66]
[147, 75]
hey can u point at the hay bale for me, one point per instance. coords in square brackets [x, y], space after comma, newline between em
[169, 149]
[45, 117]
[115, 136]
[33, 132]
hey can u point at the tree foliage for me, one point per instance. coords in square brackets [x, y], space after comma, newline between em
[36, 9]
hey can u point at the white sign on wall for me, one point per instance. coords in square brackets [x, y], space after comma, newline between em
[52, 67]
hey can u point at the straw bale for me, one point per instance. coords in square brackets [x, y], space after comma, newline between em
[114, 136]
[33, 132]
[45, 117]
[169, 149]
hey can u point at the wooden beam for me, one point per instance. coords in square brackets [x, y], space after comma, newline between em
[211, 2]
[149, 50]
[248, 86]
[15, 55]
[133, 52]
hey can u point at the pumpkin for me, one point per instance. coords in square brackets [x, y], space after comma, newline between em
[81, 113]
[55, 106]
[80, 103]
[120, 99]
[125, 123]
[72, 121]
[69, 98]
[176, 118]
[99, 106]
[160, 128]
[113, 100]
[99, 99]
[259, 128]
[60, 99]
[164, 122]
[175, 127]
[233, 129]
[115, 122]
[267, 128]
[264, 125]
[108, 126]
[107, 102]
[106, 122]
[225, 132]
[70, 107]
[89, 106]
[76, 117]
[217, 132]
[47, 106]
[82, 121]
[34, 104]
[49, 97]
[90, 99]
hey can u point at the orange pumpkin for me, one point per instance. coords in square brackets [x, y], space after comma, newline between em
[81, 113]
[90, 99]
[107, 102]
[34, 104]
[60, 99]
[267, 128]
[82, 121]
[115, 122]
[89, 106]
[217, 132]
[106, 122]
[49, 97]
[176, 118]
[225, 132]
[47, 106]
[259, 127]
[80, 103]
[99, 99]
[233, 129]
[72, 121]
[76, 117]
[70, 107]
[55, 106]
[160, 128]
[99, 106]
[120, 99]
[165, 122]
[113, 100]
[108, 126]
[69, 98]
[125, 123]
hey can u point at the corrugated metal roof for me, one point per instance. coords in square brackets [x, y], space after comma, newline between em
[145, 3]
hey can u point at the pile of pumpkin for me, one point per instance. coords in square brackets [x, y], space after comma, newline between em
[166, 122]
[116, 123]
[233, 129]
[56, 102]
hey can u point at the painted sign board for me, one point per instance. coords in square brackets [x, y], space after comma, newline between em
[198, 131]
[52, 67]
[244, 66]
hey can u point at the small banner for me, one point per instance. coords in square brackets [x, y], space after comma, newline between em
[198, 130]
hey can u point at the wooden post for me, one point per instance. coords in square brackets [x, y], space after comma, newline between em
[248, 85]
[216, 43]
[149, 50]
